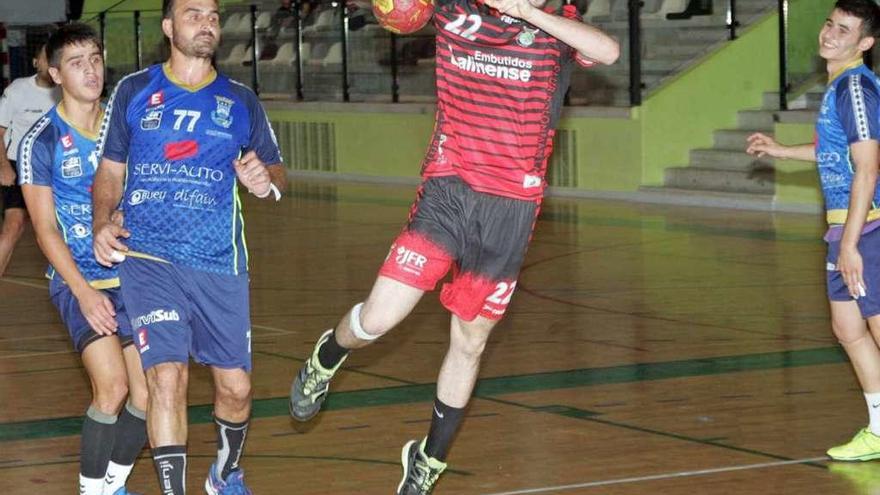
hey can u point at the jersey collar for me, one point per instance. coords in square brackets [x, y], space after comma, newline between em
[91, 136]
[192, 88]
[851, 65]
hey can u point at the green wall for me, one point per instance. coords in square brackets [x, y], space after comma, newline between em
[609, 151]
[797, 182]
[805, 19]
[375, 144]
[683, 114]
[383, 144]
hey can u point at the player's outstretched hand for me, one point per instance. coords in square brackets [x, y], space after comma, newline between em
[98, 310]
[759, 144]
[108, 248]
[514, 8]
[252, 173]
[851, 266]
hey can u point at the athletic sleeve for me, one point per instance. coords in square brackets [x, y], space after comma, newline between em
[35, 157]
[857, 107]
[115, 136]
[262, 139]
[570, 11]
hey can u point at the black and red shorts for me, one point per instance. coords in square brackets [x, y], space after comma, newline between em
[482, 237]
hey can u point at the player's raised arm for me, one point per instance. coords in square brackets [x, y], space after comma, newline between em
[590, 42]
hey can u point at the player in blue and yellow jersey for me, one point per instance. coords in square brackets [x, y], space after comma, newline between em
[56, 166]
[181, 137]
[846, 152]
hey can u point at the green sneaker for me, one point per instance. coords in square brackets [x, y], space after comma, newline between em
[309, 388]
[420, 472]
[863, 447]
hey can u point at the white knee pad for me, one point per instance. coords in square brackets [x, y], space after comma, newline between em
[355, 324]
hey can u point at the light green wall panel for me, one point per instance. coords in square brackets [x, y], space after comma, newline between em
[378, 144]
[797, 182]
[682, 115]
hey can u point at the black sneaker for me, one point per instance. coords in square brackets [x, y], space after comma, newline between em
[309, 388]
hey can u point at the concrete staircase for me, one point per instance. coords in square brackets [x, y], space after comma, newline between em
[725, 171]
[668, 46]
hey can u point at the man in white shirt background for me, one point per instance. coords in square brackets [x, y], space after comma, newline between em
[23, 102]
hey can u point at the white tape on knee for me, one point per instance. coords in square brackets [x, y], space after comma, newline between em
[355, 324]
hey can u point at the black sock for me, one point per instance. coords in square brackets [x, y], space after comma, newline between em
[170, 462]
[230, 443]
[444, 423]
[96, 444]
[131, 435]
[331, 353]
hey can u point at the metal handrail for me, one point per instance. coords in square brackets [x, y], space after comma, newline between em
[782, 5]
[634, 12]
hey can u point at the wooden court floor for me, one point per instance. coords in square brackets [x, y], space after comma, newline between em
[648, 350]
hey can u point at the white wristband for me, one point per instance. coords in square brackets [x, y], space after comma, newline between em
[273, 189]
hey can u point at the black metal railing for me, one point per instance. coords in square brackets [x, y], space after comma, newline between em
[782, 6]
[634, 14]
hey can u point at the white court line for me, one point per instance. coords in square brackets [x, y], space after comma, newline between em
[664, 476]
[24, 283]
[273, 329]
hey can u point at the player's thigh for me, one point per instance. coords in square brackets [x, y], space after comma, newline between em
[389, 302]
[221, 322]
[159, 309]
[847, 322]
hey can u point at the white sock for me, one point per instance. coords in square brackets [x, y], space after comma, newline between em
[116, 476]
[873, 401]
[91, 486]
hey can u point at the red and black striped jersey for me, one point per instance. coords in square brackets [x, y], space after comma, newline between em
[500, 89]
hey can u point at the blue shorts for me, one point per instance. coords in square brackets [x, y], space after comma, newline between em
[869, 248]
[77, 326]
[177, 312]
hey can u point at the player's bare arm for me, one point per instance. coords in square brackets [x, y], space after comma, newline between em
[864, 155]
[258, 177]
[7, 175]
[760, 144]
[590, 42]
[95, 306]
[106, 193]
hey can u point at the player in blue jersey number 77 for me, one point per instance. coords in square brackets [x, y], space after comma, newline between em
[846, 153]
[173, 134]
[57, 162]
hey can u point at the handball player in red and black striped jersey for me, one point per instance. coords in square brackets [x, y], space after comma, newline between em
[503, 69]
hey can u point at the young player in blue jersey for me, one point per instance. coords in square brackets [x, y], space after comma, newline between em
[846, 152]
[56, 165]
[181, 137]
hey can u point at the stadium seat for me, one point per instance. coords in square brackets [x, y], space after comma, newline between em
[264, 20]
[668, 7]
[334, 54]
[598, 8]
[231, 23]
[236, 56]
[286, 55]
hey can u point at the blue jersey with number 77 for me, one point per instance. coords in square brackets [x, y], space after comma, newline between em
[181, 197]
